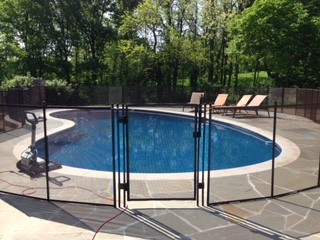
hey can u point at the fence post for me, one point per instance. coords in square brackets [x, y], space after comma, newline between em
[296, 102]
[2, 114]
[203, 122]
[318, 106]
[46, 149]
[273, 147]
[114, 155]
[195, 147]
[282, 99]
[319, 172]
[209, 156]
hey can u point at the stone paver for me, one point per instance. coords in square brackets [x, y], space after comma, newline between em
[294, 216]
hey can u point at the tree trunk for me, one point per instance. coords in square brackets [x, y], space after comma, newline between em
[223, 59]
[175, 74]
[211, 62]
[194, 78]
[236, 75]
[230, 71]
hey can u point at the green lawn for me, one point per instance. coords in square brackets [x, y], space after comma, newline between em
[246, 79]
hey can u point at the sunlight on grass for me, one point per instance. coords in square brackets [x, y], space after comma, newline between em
[246, 79]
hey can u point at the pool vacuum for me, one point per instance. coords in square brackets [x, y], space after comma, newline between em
[30, 163]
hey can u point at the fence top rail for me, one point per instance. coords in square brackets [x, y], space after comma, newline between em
[151, 105]
[53, 107]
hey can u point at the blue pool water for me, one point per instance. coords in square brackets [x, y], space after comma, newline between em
[158, 143]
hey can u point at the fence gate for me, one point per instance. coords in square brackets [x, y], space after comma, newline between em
[157, 154]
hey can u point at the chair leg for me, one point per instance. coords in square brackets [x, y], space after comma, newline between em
[234, 113]
[224, 112]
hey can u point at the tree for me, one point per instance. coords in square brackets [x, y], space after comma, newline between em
[160, 42]
[64, 38]
[216, 16]
[170, 29]
[95, 31]
[281, 36]
[53, 35]
[27, 24]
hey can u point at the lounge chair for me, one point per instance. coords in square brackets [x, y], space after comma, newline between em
[241, 103]
[220, 101]
[195, 99]
[244, 101]
[253, 105]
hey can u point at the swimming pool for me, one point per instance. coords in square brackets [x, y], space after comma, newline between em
[159, 143]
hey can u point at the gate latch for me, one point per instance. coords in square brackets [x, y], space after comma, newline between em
[124, 186]
[197, 134]
[123, 119]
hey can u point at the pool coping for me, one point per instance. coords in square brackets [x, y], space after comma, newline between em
[290, 152]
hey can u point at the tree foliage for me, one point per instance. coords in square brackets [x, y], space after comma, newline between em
[282, 37]
[18, 82]
[160, 42]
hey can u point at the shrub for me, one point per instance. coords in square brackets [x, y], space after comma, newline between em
[59, 84]
[18, 82]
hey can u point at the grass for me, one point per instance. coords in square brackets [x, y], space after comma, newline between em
[246, 79]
